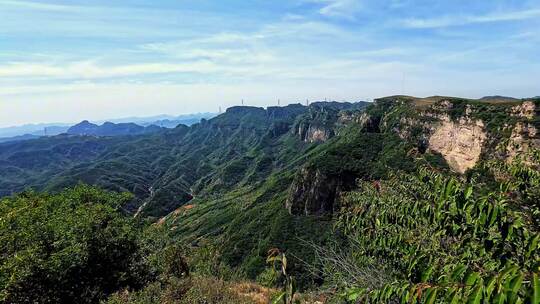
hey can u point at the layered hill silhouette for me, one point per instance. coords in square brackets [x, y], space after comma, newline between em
[254, 178]
[111, 129]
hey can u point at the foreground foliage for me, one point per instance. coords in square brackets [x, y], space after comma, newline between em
[73, 247]
[429, 238]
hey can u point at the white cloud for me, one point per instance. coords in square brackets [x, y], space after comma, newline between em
[447, 21]
[346, 9]
[37, 5]
[91, 70]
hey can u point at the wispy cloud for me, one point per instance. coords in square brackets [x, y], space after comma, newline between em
[458, 20]
[37, 5]
[91, 70]
[346, 9]
[191, 55]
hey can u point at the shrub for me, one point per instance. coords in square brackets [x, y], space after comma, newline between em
[73, 247]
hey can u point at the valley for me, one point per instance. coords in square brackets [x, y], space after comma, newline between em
[398, 199]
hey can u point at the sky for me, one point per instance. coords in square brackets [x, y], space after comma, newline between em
[65, 61]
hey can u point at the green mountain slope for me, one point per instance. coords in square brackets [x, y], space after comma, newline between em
[253, 179]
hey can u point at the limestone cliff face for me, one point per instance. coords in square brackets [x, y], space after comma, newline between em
[312, 193]
[312, 133]
[317, 125]
[523, 139]
[527, 110]
[460, 143]
[463, 133]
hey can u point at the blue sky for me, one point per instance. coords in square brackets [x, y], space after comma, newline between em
[74, 60]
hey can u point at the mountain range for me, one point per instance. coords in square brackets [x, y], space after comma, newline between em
[33, 131]
[385, 186]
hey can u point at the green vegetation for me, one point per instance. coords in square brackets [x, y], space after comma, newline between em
[428, 238]
[387, 220]
[66, 248]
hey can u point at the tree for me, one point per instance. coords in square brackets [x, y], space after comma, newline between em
[72, 247]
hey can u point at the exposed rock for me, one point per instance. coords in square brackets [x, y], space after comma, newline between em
[460, 143]
[346, 117]
[278, 128]
[313, 133]
[523, 139]
[312, 193]
[527, 109]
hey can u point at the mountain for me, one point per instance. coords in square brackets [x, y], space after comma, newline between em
[34, 129]
[52, 129]
[248, 144]
[18, 138]
[498, 98]
[166, 121]
[364, 197]
[111, 129]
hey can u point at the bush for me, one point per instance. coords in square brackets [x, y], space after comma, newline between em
[436, 238]
[73, 247]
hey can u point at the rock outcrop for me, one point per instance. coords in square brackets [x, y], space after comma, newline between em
[313, 193]
[527, 110]
[523, 139]
[313, 133]
[460, 143]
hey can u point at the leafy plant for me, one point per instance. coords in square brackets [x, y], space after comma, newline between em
[443, 241]
[278, 260]
[71, 247]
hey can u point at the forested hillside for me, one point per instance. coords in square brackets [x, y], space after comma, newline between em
[429, 200]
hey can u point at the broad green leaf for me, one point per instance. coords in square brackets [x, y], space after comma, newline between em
[476, 295]
[515, 284]
[458, 272]
[490, 286]
[278, 298]
[500, 298]
[427, 274]
[533, 245]
[535, 296]
[468, 191]
[471, 278]
[432, 296]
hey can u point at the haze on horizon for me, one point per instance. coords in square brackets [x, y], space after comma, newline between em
[69, 60]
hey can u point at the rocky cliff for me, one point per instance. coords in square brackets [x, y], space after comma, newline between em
[460, 143]
[465, 131]
[312, 193]
[323, 119]
[461, 132]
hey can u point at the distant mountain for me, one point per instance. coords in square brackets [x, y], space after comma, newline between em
[51, 129]
[252, 178]
[18, 138]
[47, 129]
[111, 129]
[498, 98]
[166, 121]
[404, 183]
